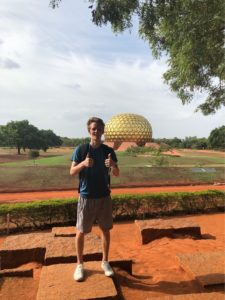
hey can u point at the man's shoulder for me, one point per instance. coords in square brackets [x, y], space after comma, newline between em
[81, 149]
[107, 148]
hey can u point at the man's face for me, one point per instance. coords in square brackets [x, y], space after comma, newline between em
[96, 131]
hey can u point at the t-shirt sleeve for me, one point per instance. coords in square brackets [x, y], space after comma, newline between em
[114, 157]
[76, 156]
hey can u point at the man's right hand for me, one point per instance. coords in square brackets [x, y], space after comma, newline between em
[88, 162]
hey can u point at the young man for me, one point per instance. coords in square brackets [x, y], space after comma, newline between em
[93, 162]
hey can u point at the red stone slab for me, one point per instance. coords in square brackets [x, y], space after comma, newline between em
[201, 296]
[64, 231]
[18, 288]
[173, 227]
[23, 248]
[62, 249]
[16, 273]
[206, 267]
[124, 264]
[56, 282]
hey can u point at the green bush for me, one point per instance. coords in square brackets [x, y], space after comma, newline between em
[33, 154]
[45, 214]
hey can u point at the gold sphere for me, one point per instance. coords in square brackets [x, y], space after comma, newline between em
[128, 128]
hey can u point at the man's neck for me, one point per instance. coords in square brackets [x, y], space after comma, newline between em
[95, 143]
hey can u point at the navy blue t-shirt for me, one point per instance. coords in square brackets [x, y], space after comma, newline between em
[94, 181]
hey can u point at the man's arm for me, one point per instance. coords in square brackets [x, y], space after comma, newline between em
[110, 163]
[77, 167]
[115, 170]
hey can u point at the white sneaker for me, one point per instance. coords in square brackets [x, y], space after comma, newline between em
[79, 273]
[107, 269]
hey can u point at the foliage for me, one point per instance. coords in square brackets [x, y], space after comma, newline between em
[33, 154]
[189, 32]
[73, 142]
[159, 160]
[133, 150]
[156, 156]
[23, 135]
[190, 142]
[217, 138]
[49, 139]
[42, 214]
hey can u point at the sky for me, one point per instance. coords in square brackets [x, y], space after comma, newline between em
[57, 69]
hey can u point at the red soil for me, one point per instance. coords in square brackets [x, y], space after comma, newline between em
[156, 271]
[32, 196]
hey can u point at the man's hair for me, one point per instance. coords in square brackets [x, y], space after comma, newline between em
[95, 120]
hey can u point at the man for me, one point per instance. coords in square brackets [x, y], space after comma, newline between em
[93, 162]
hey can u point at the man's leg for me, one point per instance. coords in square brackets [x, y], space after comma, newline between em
[105, 253]
[105, 244]
[79, 246]
[79, 271]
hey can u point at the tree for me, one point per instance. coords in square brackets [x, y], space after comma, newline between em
[217, 138]
[189, 32]
[7, 136]
[49, 139]
[202, 143]
[73, 142]
[23, 135]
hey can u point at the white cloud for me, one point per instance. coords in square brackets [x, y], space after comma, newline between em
[57, 69]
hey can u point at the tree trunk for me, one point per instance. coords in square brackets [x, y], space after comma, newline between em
[18, 150]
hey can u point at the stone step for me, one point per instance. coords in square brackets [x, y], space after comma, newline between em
[64, 231]
[23, 248]
[124, 264]
[45, 248]
[206, 267]
[56, 282]
[62, 249]
[200, 296]
[172, 227]
[16, 272]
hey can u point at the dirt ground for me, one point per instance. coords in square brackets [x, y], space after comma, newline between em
[33, 196]
[156, 271]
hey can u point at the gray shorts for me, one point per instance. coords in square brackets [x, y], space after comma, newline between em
[91, 210]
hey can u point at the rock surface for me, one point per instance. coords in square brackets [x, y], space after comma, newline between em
[18, 288]
[158, 228]
[64, 231]
[23, 248]
[62, 249]
[57, 283]
[124, 264]
[201, 296]
[206, 267]
[16, 273]
[26, 241]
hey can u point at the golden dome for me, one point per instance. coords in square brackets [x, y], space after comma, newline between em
[128, 128]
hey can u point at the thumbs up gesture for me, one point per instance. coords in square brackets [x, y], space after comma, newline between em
[88, 162]
[109, 162]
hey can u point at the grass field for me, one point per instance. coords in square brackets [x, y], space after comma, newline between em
[51, 170]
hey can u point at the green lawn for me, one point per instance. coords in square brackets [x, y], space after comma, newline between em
[52, 171]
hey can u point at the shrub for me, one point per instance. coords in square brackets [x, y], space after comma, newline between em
[33, 154]
[46, 214]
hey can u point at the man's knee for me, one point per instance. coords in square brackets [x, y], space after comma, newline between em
[105, 232]
[79, 235]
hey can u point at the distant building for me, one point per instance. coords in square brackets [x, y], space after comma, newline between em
[127, 128]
